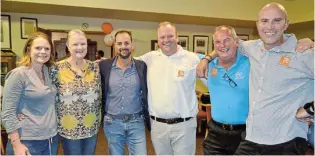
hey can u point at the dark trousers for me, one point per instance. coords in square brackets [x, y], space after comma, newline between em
[296, 146]
[221, 141]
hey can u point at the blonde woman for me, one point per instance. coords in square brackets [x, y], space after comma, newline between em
[78, 98]
[29, 92]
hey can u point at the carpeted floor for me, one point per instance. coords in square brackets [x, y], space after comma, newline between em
[102, 147]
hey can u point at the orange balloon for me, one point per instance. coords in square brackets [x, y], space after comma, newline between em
[107, 28]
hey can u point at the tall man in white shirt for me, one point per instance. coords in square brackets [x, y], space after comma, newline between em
[172, 99]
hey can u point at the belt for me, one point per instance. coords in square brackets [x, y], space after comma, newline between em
[230, 127]
[126, 117]
[170, 121]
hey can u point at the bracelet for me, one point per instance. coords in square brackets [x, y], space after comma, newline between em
[209, 60]
[206, 59]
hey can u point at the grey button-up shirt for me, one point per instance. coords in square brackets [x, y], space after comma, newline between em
[281, 81]
[124, 95]
[24, 94]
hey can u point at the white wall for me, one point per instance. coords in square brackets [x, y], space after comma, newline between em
[143, 32]
[299, 10]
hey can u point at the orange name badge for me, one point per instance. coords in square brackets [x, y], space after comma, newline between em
[214, 72]
[285, 60]
[180, 73]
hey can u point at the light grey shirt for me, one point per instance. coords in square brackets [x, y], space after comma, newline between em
[25, 94]
[123, 95]
[281, 81]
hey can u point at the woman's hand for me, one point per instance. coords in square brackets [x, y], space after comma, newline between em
[19, 148]
[21, 117]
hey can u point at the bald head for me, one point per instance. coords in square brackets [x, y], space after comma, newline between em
[271, 24]
[274, 6]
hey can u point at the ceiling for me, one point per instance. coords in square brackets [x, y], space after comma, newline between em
[49, 9]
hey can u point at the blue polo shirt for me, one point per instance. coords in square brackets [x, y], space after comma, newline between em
[229, 102]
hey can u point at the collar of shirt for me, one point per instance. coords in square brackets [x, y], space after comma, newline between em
[115, 61]
[180, 52]
[239, 56]
[288, 46]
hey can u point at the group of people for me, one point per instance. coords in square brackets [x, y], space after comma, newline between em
[42, 98]
[256, 89]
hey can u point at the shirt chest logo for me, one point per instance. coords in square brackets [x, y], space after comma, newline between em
[285, 61]
[180, 73]
[239, 76]
[214, 72]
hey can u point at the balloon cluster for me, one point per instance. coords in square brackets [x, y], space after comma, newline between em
[110, 33]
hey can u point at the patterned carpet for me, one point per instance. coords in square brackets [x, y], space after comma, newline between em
[102, 147]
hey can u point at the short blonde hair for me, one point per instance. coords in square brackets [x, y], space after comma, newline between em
[167, 23]
[74, 31]
[26, 59]
[229, 28]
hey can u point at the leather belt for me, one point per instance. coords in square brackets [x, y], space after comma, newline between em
[126, 117]
[230, 127]
[170, 121]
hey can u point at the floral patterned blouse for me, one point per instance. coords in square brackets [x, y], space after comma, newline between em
[78, 100]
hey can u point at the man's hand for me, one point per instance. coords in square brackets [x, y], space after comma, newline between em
[202, 69]
[303, 116]
[304, 44]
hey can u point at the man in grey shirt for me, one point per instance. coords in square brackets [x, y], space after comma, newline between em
[281, 81]
[124, 99]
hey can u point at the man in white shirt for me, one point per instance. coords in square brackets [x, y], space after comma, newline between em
[172, 99]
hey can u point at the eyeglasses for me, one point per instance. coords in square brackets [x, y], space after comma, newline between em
[231, 82]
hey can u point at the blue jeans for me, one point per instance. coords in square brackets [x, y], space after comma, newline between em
[37, 147]
[80, 146]
[311, 135]
[119, 132]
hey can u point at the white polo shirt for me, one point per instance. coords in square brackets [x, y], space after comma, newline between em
[171, 83]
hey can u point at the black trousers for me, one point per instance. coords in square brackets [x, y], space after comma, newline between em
[296, 146]
[220, 141]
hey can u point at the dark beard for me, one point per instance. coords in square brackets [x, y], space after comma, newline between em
[124, 57]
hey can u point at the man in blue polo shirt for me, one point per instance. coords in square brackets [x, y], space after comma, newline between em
[228, 85]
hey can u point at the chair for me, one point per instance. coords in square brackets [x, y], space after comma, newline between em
[203, 114]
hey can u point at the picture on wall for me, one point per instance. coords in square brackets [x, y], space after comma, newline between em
[5, 34]
[28, 26]
[201, 44]
[183, 41]
[2, 80]
[243, 37]
[154, 45]
[4, 67]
